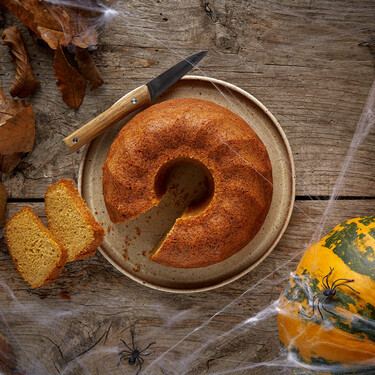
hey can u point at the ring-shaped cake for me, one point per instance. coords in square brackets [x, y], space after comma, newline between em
[236, 164]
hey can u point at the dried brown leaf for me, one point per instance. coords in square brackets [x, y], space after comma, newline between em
[3, 203]
[70, 82]
[8, 108]
[17, 134]
[87, 67]
[7, 358]
[17, 126]
[54, 24]
[17, 131]
[24, 82]
[9, 162]
[2, 95]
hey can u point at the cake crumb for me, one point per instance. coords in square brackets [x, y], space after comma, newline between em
[71, 287]
[144, 253]
[85, 287]
[136, 269]
[124, 253]
[65, 295]
[137, 231]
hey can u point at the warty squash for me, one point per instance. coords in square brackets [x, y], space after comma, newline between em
[326, 312]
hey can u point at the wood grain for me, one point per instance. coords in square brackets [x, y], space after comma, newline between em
[303, 61]
[103, 304]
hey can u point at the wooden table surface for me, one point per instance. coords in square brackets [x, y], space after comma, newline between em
[302, 60]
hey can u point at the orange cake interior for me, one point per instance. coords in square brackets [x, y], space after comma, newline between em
[71, 222]
[39, 258]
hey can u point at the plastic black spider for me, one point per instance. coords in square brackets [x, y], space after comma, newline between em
[329, 292]
[133, 355]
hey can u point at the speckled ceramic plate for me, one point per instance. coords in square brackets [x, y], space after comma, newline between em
[128, 245]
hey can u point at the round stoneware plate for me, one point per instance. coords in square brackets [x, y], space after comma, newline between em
[127, 245]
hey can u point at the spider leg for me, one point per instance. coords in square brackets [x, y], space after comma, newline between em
[139, 365]
[146, 354]
[326, 277]
[343, 284]
[332, 313]
[320, 311]
[121, 358]
[323, 283]
[348, 280]
[127, 345]
[315, 297]
[147, 347]
[125, 351]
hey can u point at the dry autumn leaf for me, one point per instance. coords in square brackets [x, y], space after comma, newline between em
[8, 363]
[9, 162]
[70, 82]
[87, 67]
[56, 25]
[17, 128]
[17, 131]
[7, 359]
[24, 82]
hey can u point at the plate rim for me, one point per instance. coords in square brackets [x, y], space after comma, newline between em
[282, 228]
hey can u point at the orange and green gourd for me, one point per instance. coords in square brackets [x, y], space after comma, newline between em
[323, 342]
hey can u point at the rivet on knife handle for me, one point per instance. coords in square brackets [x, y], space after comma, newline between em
[137, 98]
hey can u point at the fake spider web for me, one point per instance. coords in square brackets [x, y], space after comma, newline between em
[187, 338]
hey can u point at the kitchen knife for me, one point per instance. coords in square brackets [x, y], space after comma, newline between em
[137, 98]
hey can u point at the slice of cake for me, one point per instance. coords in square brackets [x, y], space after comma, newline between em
[71, 222]
[39, 258]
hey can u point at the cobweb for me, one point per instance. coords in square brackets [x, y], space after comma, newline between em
[220, 332]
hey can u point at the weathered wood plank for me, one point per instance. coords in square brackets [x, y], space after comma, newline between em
[302, 60]
[53, 335]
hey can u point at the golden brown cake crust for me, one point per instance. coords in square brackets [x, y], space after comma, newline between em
[55, 272]
[77, 200]
[212, 135]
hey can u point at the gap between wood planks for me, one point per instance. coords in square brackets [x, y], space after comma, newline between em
[297, 198]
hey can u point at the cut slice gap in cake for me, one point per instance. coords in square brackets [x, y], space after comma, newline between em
[190, 179]
[71, 222]
[38, 256]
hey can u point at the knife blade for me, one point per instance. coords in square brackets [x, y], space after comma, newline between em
[136, 99]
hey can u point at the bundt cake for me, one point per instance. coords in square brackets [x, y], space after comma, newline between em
[71, 222]
[200, 132]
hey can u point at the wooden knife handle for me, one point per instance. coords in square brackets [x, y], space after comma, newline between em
[135, 99]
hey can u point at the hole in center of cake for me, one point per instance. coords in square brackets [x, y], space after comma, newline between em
[188, 182]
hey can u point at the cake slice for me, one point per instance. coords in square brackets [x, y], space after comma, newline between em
[71, 222]
[39, 258]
